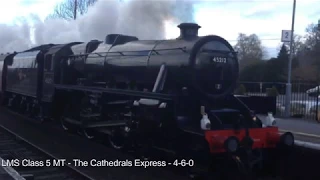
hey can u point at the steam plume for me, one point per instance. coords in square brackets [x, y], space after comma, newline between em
[142, 18]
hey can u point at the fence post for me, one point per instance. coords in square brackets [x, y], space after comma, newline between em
[317, 96]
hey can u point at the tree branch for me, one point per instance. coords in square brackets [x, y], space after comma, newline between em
[65, 10]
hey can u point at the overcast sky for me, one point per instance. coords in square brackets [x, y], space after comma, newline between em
[226, 18]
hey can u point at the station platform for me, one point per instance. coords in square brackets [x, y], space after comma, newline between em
[8, 173]
[304, 130]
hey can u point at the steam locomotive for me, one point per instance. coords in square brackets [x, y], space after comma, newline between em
[173, 95]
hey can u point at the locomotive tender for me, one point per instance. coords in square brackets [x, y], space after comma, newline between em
[174, 95]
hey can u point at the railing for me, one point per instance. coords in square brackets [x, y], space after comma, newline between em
[303, 105]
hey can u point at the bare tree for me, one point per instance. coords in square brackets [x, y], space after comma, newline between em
[313, 36]
[249, 49]
[312, 47]
[298, 45]
[65, 9]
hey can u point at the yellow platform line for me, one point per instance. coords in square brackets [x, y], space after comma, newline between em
[300, 133]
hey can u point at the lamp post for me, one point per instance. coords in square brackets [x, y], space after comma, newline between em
[288, 86]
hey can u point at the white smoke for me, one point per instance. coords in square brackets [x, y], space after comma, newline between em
[14, 37]
[142, 18]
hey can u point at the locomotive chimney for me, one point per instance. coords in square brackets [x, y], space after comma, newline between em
[188, 30]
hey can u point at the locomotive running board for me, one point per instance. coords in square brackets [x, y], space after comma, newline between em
[72, 121]
[106, 123]
[98, 124]
[140, 94]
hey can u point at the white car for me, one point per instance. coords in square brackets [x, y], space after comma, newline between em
[300, 108]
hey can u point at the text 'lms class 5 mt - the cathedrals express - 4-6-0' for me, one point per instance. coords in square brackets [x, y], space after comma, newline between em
[175, 95]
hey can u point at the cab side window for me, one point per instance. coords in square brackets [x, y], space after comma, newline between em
[48, 63]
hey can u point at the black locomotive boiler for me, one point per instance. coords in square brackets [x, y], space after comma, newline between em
[174, 95]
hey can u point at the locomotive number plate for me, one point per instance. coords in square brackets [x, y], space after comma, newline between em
[219, 59]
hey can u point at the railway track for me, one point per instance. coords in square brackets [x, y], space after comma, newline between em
[32, 162]
[72, 146]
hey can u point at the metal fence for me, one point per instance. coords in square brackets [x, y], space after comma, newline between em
[303, 105]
